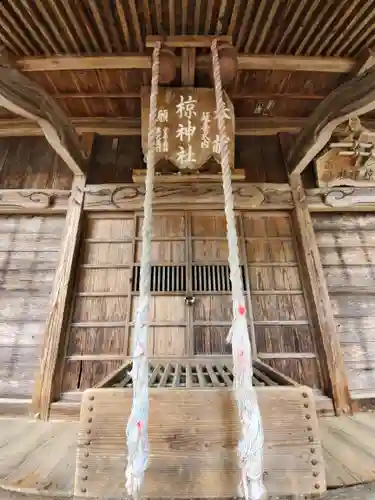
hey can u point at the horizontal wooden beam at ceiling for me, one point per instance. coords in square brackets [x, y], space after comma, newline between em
[132, 126]
[238, 95]
[186, 41]
[246, 62]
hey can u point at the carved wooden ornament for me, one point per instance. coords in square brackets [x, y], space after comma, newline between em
[349, 158]
[187, 133]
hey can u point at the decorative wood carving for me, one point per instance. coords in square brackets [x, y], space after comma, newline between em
[131, 196]
[26, 98]
[187, 133]
[348, 159]
[12, 200]
[353, 98]
[341, 197]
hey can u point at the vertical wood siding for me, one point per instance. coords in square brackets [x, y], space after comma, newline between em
[30, 162]
[29, 253]
[347, 247]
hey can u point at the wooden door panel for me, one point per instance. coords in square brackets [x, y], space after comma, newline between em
[283, 333]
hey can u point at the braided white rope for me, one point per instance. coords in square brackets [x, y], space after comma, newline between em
[250, 448]
[137, 428]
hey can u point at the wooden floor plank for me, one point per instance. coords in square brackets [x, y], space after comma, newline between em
[349, 449]
[40, 457]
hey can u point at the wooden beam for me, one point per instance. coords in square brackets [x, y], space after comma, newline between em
[364, 61]
[355, 97]
[26, 98]
[246, 62]
[322, 310]
[132, 126]
[186, 41]
[60, 297]
[188, 66]
[16, 127]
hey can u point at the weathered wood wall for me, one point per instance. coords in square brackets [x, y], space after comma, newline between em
[29, 252]
[347, 248]
[30, 162]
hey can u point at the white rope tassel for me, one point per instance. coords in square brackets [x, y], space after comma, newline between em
[250, 448]
[137, 428]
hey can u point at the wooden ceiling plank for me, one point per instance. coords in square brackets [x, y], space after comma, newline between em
[197, 16]
[123, 23]
[86, 23]
[21, 15]
[266, 27]
[340, 26]
[159, 17]
[98, 19]
[12, 21]
[357, 27]
[297, 32]
[51, 42]
[64, 26]
[184, 16]
[209, 13]
[291, 25]
[136, 25]
[256, 23]
[12, 41]
[330, 23]
[354, 97]
[22, 96]
[244, 24]
[314, 26]
[233, 18]
[112, 27]
[41, 7]
[189, 41]
[221, 16]
[147, 14]
[365, 34]
[73, 19]
[172, 16]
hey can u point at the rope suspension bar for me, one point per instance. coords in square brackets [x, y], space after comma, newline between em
[137, 428]
[250, 448]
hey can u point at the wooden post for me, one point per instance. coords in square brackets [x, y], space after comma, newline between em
[317, 287]
[61, 295]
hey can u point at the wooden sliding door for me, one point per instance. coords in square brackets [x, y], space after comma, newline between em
[191, 309]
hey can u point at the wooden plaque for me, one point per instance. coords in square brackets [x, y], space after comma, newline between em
[187, 132]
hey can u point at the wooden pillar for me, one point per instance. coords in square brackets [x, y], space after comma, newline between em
[329, 344]
[61, 295]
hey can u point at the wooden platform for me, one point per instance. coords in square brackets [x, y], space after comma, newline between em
[39, 458]
[349, 449]
[193, 436]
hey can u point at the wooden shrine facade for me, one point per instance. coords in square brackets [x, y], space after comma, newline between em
[278, 231]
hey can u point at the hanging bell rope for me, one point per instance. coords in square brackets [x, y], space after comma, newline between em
[137, 428]
[250, 448]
